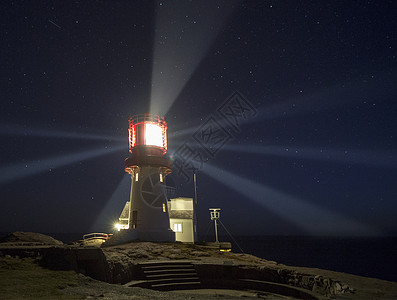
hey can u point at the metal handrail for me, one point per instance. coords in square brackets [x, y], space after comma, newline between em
[96, 235]
[140, 118]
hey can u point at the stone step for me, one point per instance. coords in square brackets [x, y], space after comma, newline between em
[169, 275]
[177, 286]
[173, 280]
[165, 271]
[166, 263]
[187, 266]
[174, 275]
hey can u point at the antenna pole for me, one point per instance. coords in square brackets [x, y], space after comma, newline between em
[195, 204]
[216, 232]
[215, 214]
[195, 186]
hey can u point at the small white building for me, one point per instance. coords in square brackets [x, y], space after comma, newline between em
[181, 214]
[182, 219]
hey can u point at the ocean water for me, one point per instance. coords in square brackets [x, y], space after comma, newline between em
[369, 257]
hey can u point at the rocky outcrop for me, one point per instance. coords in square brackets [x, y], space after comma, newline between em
[123, 263]
[32, 238]
[215, 269]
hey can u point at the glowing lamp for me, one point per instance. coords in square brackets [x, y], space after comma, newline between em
[147, 130]
[121, 226]
[153, 135]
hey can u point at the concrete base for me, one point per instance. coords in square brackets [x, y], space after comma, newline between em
[153, 235]
[129, 235]
[223, 246]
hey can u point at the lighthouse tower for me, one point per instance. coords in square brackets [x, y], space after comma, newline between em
[148, 210]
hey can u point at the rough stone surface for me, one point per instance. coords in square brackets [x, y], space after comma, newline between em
[30, 237]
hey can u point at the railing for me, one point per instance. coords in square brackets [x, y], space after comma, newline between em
[141, 118]
[97, 235]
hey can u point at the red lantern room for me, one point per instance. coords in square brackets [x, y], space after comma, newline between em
[147, 143]
[149, 131]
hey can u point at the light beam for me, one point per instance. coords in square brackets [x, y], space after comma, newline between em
[184, 32]
[311, 218]
[20, 170]
[110, 213]
[384, 159]
[329, 98]
[16, 130]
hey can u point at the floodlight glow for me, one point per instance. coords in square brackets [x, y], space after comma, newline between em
[121, 226]
[153, 135]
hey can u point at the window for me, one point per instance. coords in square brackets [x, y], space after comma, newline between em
[177, 227]
[164, 210]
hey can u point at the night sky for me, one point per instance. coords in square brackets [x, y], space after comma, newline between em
[312, 151]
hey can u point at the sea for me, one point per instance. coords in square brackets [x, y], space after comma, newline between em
[369, 257]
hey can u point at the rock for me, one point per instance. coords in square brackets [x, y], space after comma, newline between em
[122, 265]
[175, 251]
[347, 289]
[200, 253]
[157, 251]
[138, 253]
[337, 287]
[30, 237]
[318, 278]
[281, 272]
[307, 282]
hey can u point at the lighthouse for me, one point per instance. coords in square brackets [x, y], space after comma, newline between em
[147, 210]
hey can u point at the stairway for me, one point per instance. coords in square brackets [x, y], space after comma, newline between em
[168, 276]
